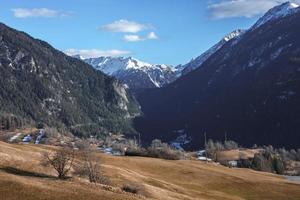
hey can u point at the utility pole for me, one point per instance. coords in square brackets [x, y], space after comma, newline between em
[205, 146]
[135, 141]
[205, 139]
[139, 139]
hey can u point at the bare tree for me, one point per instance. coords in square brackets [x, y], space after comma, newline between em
[230, 145]
[91, 167]
[61, 160]
[213, 148]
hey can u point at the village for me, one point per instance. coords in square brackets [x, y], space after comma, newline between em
[229, 154]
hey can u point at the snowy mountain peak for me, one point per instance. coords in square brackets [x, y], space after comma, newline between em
[282, 10]
[135, 73]
[197, 62]
[134, 63]
[111, 65]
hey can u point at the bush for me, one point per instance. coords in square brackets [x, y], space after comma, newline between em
[278, 165]
[157, 149]
[268, 161]
[262, 162]
[136, 152]
[165, 153]
[134, 188]
[245, 163]
[4, 137]
[39, 125]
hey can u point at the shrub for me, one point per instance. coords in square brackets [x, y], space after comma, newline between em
[136, 152]
[159, 149]
[262, 162]
[245, 163]
[4, 137]
[278, 165]
[134, 188]
[39, 125]
[268, 161]
[165, 153]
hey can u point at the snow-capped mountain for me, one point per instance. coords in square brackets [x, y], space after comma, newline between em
[197, 62]
[134, 73]
[277, 12]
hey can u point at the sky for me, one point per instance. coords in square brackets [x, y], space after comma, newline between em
[155, 31]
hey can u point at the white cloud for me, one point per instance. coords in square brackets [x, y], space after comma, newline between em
[241, 8]
[136, 38]
[93, 53]
[125, 26]
[133, 38]
[38, 12]
[152, 36]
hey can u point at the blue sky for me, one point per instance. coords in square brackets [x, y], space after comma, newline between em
[155, 31]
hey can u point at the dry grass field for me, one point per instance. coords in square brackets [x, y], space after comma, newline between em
[237, 154]
[22, 177]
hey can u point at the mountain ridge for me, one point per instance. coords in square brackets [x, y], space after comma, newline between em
[276, 12]
[247, 90]
[134, 73]
[42, 84]
[198, 61]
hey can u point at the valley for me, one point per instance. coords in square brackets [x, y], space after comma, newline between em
[84, 118]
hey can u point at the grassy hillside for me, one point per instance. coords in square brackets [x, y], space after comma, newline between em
[21, 175]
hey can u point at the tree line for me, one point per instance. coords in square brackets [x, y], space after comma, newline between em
[268, 158]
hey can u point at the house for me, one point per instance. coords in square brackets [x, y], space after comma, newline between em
[111, 151]
[40, 136]
[27, 138]
[232, 163]
[202, 158]
[201, 155]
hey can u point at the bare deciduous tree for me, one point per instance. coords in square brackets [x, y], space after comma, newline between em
[213, 149]
[91, 167]
[61, 160]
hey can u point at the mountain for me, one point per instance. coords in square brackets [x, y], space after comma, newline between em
[197, 62]
[248, 89]
[40, 83]
[277, 12]
[134, 73]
